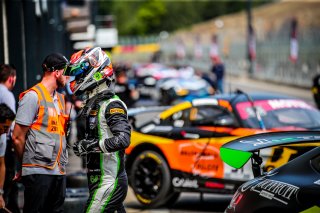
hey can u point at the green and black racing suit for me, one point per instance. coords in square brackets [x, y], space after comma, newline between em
[107, 179]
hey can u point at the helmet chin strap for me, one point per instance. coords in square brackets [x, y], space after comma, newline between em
[97, 90]
[94, 96]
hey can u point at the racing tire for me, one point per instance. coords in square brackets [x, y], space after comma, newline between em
[150, 179]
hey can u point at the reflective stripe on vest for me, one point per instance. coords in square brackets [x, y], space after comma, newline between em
[46, 145]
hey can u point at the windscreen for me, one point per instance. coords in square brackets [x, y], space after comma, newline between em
[283, 114]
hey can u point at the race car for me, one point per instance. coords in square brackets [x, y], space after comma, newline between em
[177, 149]
[293, 187]
[183, 89]
[147, 75]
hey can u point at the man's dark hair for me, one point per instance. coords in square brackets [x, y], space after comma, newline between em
[6, 71]
[6, 113]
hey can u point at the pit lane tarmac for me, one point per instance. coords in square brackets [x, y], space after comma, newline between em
[188, 202]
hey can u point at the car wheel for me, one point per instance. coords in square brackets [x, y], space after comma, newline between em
[150, 179]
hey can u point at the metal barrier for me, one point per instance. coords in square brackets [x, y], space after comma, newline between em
[272, 60]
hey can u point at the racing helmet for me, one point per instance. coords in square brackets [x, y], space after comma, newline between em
[91, 68]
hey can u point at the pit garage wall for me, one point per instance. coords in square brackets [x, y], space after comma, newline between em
[35, 29]
[1, 34]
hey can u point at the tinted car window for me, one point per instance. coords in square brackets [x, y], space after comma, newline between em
[177, 119]
[206, 115]
[195, 116]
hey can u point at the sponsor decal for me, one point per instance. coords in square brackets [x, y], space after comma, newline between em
[204, 101]
[258, 142]
[266, 194]
[273, 190]
[244, 173]
[184, 183]
[94, 178]
[280, 104]
[97, 76]
[192, 149]
[93, 112]
[203, 159]
[264, 106]
[207, 167]
[116, 110]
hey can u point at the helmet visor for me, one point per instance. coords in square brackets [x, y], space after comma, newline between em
[79, 64]
[76, 69]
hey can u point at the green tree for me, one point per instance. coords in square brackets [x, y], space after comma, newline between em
[153, 16]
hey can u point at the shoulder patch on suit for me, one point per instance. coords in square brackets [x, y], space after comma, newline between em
[116, 110]
[93, 112]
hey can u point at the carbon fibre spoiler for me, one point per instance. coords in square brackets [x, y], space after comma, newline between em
[237, 152]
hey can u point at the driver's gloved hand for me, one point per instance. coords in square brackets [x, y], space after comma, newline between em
[86, 146]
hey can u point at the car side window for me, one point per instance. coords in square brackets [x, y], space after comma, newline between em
[210, 116]
[201, 115]
[205, 115]
[178, 119]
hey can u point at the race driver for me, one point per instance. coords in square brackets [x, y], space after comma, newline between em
[107, 130]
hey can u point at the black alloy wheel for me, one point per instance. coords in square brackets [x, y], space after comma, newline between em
[150, 179]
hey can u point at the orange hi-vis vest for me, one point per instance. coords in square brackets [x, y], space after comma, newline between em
[46, 142]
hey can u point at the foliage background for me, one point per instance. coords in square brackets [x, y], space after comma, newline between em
[145, 17]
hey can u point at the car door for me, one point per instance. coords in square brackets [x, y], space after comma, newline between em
[193, 129]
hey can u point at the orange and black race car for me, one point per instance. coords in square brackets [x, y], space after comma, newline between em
[178, 150]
